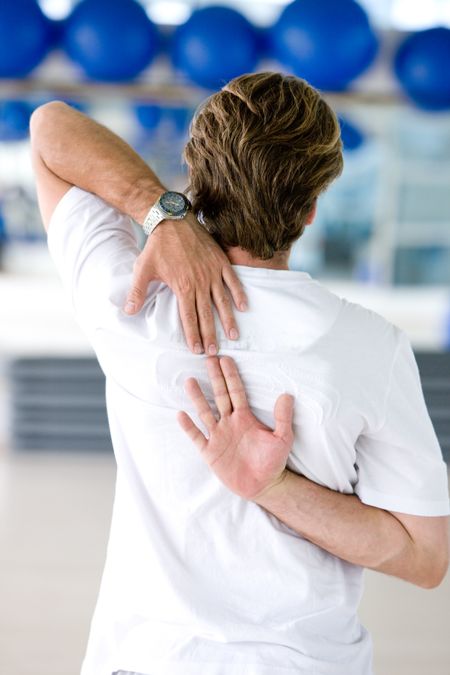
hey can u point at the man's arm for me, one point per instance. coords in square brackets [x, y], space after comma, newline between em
[413, 548]
[250, 459]
[70, 148]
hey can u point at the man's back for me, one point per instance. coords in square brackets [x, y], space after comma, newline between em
[197, 577]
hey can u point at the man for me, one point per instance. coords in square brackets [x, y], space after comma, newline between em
[246, 556]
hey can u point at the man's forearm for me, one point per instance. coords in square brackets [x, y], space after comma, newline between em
[344, 526]
[87, 154]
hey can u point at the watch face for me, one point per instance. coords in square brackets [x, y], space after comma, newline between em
[174, 203]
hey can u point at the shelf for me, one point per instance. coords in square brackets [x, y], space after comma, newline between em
[179, 93]
[189, 94]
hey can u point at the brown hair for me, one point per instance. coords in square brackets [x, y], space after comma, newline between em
[259, 154]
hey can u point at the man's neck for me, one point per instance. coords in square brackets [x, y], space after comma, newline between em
[237, 256]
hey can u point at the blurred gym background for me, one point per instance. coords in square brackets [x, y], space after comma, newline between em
[381, 238]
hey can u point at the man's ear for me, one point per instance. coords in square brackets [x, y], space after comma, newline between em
[312, 214]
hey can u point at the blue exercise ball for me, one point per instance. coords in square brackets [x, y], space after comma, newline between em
[3, 235]
[111, 41]
[327, 42]
[215, 45]
[422, 65]
[178, 117]
[57, 28]
[352, 137]
[25, 37]
[149, 115]
[152, 116]
[447, 332]
[14, 120]
[80, 105]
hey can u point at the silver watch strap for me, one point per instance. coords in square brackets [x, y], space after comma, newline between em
[152, 219]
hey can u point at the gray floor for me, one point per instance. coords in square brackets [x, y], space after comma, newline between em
[54, 519]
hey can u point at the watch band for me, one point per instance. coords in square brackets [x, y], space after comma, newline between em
[159, 212]
[152, 219]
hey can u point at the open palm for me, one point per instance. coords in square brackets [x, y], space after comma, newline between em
[246, 455]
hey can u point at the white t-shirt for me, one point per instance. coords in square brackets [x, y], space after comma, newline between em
[197, 580]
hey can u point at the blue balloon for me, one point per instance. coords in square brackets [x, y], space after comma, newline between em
[352, 137]
[327, 42]
[14, 120]
[111, 41]
[422, 65]
[25, 37]
[215, 45]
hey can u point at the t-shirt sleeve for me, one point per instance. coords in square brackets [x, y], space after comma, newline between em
[400, 465]
[94, 248]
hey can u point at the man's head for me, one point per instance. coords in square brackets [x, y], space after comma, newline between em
[260, 152]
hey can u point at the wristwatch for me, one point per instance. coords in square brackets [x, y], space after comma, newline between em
[170, 206]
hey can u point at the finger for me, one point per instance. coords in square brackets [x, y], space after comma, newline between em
[223, 304]
[192, 430]
[235, 287]
[201, 405]
[188, 317]
[221, 395]
[206, 321]
[136, 296]
[283, 414]
[234, 383]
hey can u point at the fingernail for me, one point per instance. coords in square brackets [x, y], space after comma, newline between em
[234, 334]
[130, 307]
[212, 350]
[243, 306]
[198, 349]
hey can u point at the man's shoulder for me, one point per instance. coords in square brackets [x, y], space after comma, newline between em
[375, 336]
[359, 322]
[356, 311]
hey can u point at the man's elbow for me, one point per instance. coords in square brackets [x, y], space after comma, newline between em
[44, 117]
[435, 572]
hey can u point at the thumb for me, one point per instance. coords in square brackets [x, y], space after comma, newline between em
[283, 414]
[138, 292]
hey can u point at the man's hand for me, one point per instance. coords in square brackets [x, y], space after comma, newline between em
[247, 456]
[186, 258]
[70, 148]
